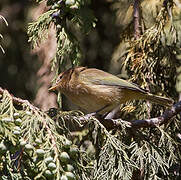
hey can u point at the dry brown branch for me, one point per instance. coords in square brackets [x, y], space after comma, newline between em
[115, 124]
[136, 16]
[146, 123]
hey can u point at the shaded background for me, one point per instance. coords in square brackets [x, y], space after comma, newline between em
[18, 66]
[27, 74]
[22, 71]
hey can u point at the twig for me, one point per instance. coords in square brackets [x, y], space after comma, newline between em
[115, 124]
[153, 122]
[19, 101]
[164, 119]
[136, 19]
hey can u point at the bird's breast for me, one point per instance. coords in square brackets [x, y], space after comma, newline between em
[93, 98]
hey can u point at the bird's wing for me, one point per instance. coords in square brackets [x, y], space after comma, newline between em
[99, 77]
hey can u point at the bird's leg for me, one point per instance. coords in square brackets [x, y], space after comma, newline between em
[112, 113]
[87, 116]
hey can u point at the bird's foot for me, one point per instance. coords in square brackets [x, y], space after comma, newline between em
[95, 114]
[87, 116]
[111, 115]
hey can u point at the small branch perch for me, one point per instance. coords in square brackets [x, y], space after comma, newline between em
[115, 124]
[153, 122]
[164, 119]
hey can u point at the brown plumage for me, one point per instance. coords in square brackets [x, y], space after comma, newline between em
[94, 89]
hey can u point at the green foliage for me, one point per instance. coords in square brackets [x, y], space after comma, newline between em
[34, 148]
[113, 157]
[41, 149]
[151, 60]
[1, 36]
[149, 54]
[68, 17]
[38, 31]
[58, 145]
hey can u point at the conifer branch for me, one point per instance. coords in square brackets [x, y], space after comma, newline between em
[113, 123]
[19, 101]
[146, 123]
[163, 119]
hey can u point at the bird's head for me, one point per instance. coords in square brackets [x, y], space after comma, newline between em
[65, 77]
[61, 80]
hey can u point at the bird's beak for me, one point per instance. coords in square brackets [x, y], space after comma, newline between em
[53, 88]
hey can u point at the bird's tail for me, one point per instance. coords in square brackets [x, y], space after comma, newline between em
[159, 100]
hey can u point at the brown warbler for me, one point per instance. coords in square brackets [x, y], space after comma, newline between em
[95, 90]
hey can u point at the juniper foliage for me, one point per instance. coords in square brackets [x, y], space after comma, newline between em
[44, 145]
[1, 36]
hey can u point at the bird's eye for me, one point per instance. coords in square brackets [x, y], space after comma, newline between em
[59, 78]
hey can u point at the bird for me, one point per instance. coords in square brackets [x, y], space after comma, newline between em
[95, 90]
